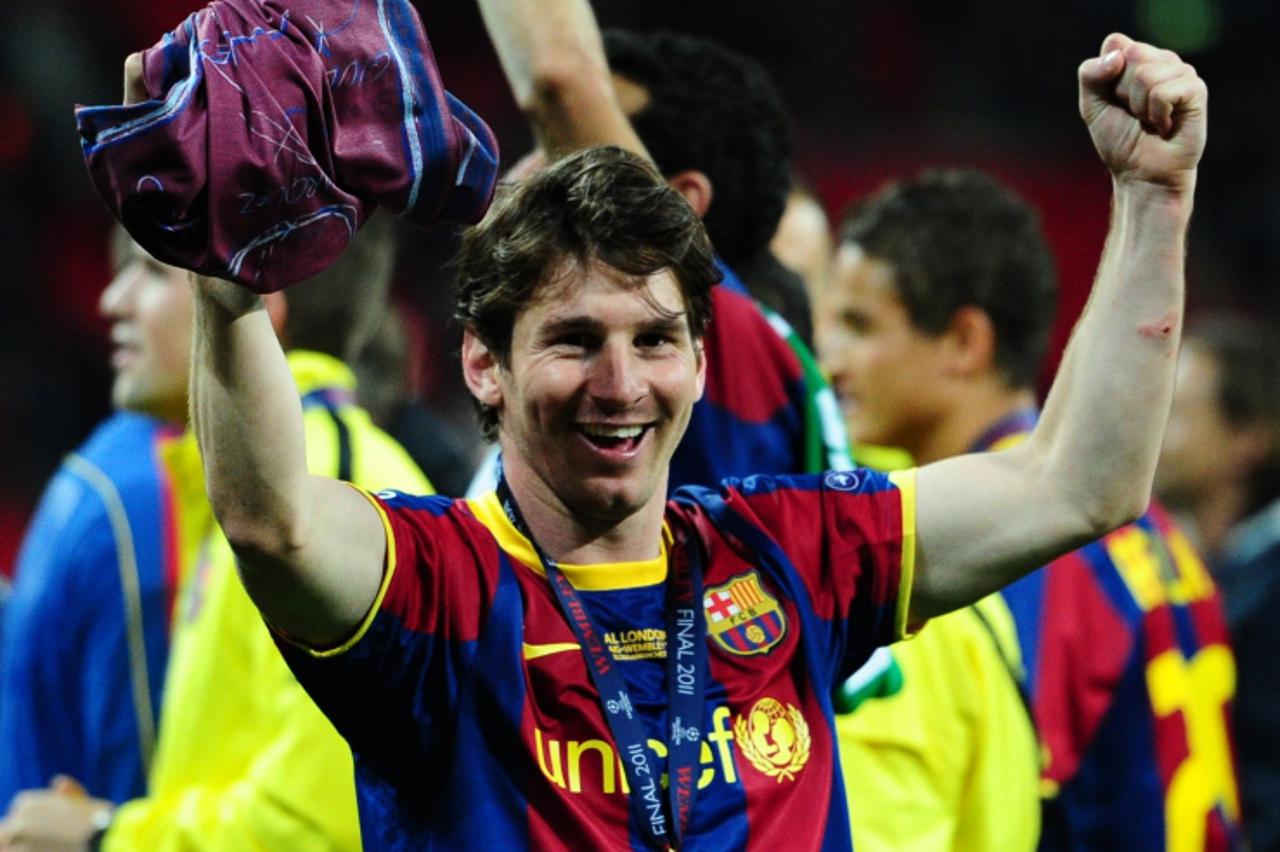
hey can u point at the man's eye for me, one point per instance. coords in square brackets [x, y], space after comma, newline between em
[856, 323]
[653, 340]
[573, 340]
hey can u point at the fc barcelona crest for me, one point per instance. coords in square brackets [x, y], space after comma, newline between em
[744, 618]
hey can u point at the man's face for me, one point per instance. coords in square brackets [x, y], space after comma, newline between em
[803, 242]
[149, 306]
[1198, 438]
[886, 372]
[601, 380]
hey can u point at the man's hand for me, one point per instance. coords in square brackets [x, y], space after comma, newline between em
[1147, 113]
[134, 90]
[62, 818]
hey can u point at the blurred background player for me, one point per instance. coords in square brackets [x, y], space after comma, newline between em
[710, 116]
[384, 388]
[942, 753]
[1220, 472]
[713, 124]
[939, 312]
[244, 759]
[802, 242]
[85, 640]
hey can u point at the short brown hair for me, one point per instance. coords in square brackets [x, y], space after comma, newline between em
[958, 238]
[601, 204]
[1247, 356]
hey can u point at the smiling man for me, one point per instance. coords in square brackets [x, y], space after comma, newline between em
[713, 123]
[521, 669]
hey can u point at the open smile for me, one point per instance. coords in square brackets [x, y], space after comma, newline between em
[614, 441]
[124, 347]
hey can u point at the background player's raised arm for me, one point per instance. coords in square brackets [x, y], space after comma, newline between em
[310, 549]
[554, 60]
[984, 520]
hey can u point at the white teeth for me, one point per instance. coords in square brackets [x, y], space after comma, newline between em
[598, 431]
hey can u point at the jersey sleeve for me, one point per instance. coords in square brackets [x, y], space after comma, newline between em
[850, 536]
[37, 646]
[390, 688]
[67, 703]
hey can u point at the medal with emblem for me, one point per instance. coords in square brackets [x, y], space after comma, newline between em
[742, 617]
[774, 738]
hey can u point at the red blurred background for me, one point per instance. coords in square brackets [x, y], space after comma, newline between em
[878, 89]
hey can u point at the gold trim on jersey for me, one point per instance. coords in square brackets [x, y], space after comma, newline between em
[905, 482]
[388, 571]
[599, 577]
[534, 651]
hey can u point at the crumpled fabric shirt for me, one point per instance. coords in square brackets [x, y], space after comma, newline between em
[272, 130]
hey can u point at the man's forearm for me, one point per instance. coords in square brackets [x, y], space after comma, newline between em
[248, 420]
[554, 60]
[1113, 391]
[1088, 466]
[310, 549]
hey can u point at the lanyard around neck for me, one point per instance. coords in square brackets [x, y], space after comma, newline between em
[661, 827]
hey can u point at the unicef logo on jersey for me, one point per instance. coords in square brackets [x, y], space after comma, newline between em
[842, 481]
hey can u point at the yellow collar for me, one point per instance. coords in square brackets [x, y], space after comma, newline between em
[599, 577]
[314, 370]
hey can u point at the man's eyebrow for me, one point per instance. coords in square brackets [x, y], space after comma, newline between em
[667, 322]
[570, 322]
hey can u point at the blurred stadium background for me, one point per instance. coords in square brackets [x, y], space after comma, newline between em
[877, 89]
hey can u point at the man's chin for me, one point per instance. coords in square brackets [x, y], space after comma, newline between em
[612, 502]
[128, 396]
[125, 397]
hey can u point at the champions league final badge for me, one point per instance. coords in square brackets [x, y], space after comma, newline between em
[742, 617]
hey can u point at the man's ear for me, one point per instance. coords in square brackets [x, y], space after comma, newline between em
[700, 353]
[695, 187]
[970, 341]
[480, 369]
[1247, 447]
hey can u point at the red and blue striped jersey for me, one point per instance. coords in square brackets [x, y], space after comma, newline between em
[1130, 675]
[767, 408]
[474, 721]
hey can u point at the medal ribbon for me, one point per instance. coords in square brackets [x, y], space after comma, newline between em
[686, 689]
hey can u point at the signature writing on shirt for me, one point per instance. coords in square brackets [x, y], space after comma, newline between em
[359, 71]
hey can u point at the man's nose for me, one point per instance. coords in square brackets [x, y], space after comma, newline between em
[616, 377]
[831, 350]
[118, 295]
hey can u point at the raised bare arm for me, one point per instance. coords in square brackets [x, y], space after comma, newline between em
[310, 549]
[554, 60]
[984, 520]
